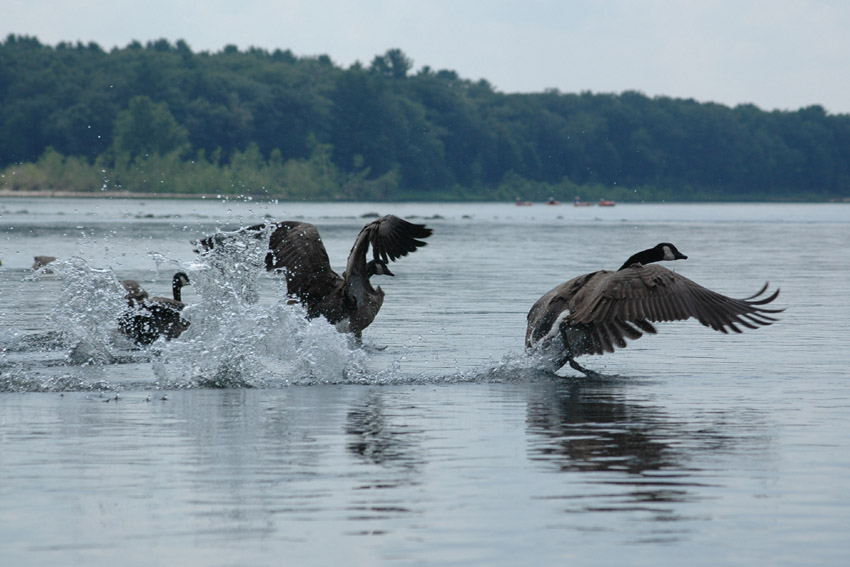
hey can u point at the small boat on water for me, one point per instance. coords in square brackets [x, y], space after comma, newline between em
[521, 203]
[553, 201]
[605, 203]
[577, 202]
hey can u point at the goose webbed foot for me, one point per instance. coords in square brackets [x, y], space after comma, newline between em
[356, 341]
[576, 366]
[586, 371]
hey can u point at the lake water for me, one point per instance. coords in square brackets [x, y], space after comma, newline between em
[258, 438]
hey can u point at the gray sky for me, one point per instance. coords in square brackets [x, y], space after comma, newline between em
[777, 54]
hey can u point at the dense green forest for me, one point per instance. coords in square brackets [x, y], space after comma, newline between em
[162, 118]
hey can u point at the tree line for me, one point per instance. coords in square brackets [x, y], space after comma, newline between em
[161, 118]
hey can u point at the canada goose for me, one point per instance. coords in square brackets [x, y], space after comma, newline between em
[349, 301]
[41, 261]
[149, 318]
[593, 313]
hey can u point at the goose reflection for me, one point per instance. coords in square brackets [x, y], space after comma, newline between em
[375, 437]
[589, 428]
[640, 458]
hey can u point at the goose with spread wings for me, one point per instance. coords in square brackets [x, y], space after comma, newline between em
[596, 312]
[347, 301]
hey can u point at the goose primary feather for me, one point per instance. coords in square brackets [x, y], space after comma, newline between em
[596, 312]
[347, 301]
[148, 318]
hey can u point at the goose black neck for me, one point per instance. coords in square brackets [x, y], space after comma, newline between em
[176, 288]
[663, 251]
[644, 257]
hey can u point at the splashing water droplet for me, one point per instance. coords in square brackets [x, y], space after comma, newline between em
[90, 297]
[235, 340]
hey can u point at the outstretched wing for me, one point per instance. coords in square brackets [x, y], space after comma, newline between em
[390, 237]
[654, 293]
[297, 249]
[622, 304]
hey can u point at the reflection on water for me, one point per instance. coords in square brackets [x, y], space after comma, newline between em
[630, 457]
[591, 428]
[497, 470]
[380, 437]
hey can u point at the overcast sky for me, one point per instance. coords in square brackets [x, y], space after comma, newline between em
[776, 54]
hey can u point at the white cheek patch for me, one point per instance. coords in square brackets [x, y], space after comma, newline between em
[668, 254]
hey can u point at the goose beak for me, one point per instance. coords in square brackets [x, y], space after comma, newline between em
[680, 256]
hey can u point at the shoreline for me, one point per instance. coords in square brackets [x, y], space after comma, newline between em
[61, 194]
[58, 193]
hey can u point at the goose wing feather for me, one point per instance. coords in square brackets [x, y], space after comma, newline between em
[390, 237]
[641, 293]
[297, 249]
[135, 292]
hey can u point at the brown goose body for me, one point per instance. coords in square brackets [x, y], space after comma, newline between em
[40, 262]
[148, 318]
[348, 301]
[596, 312]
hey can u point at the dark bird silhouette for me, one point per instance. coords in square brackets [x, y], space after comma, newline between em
[596, 312]
[148, 318]
[347, 301]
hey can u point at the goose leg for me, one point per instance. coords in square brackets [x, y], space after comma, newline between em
[356, 340]
[587, 372]
[568, 357]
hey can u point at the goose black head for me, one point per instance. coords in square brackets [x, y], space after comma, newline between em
[180, 279]
[669, 252]
[377, 268]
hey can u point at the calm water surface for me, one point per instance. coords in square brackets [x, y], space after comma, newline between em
[260, 439]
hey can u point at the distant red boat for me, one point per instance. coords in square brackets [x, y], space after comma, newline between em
[522, 203]
[552, 201]
[577, 202]
[604, 203]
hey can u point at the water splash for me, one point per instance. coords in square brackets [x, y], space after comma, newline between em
[90, 298]
[243, 333]
[234, 340]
